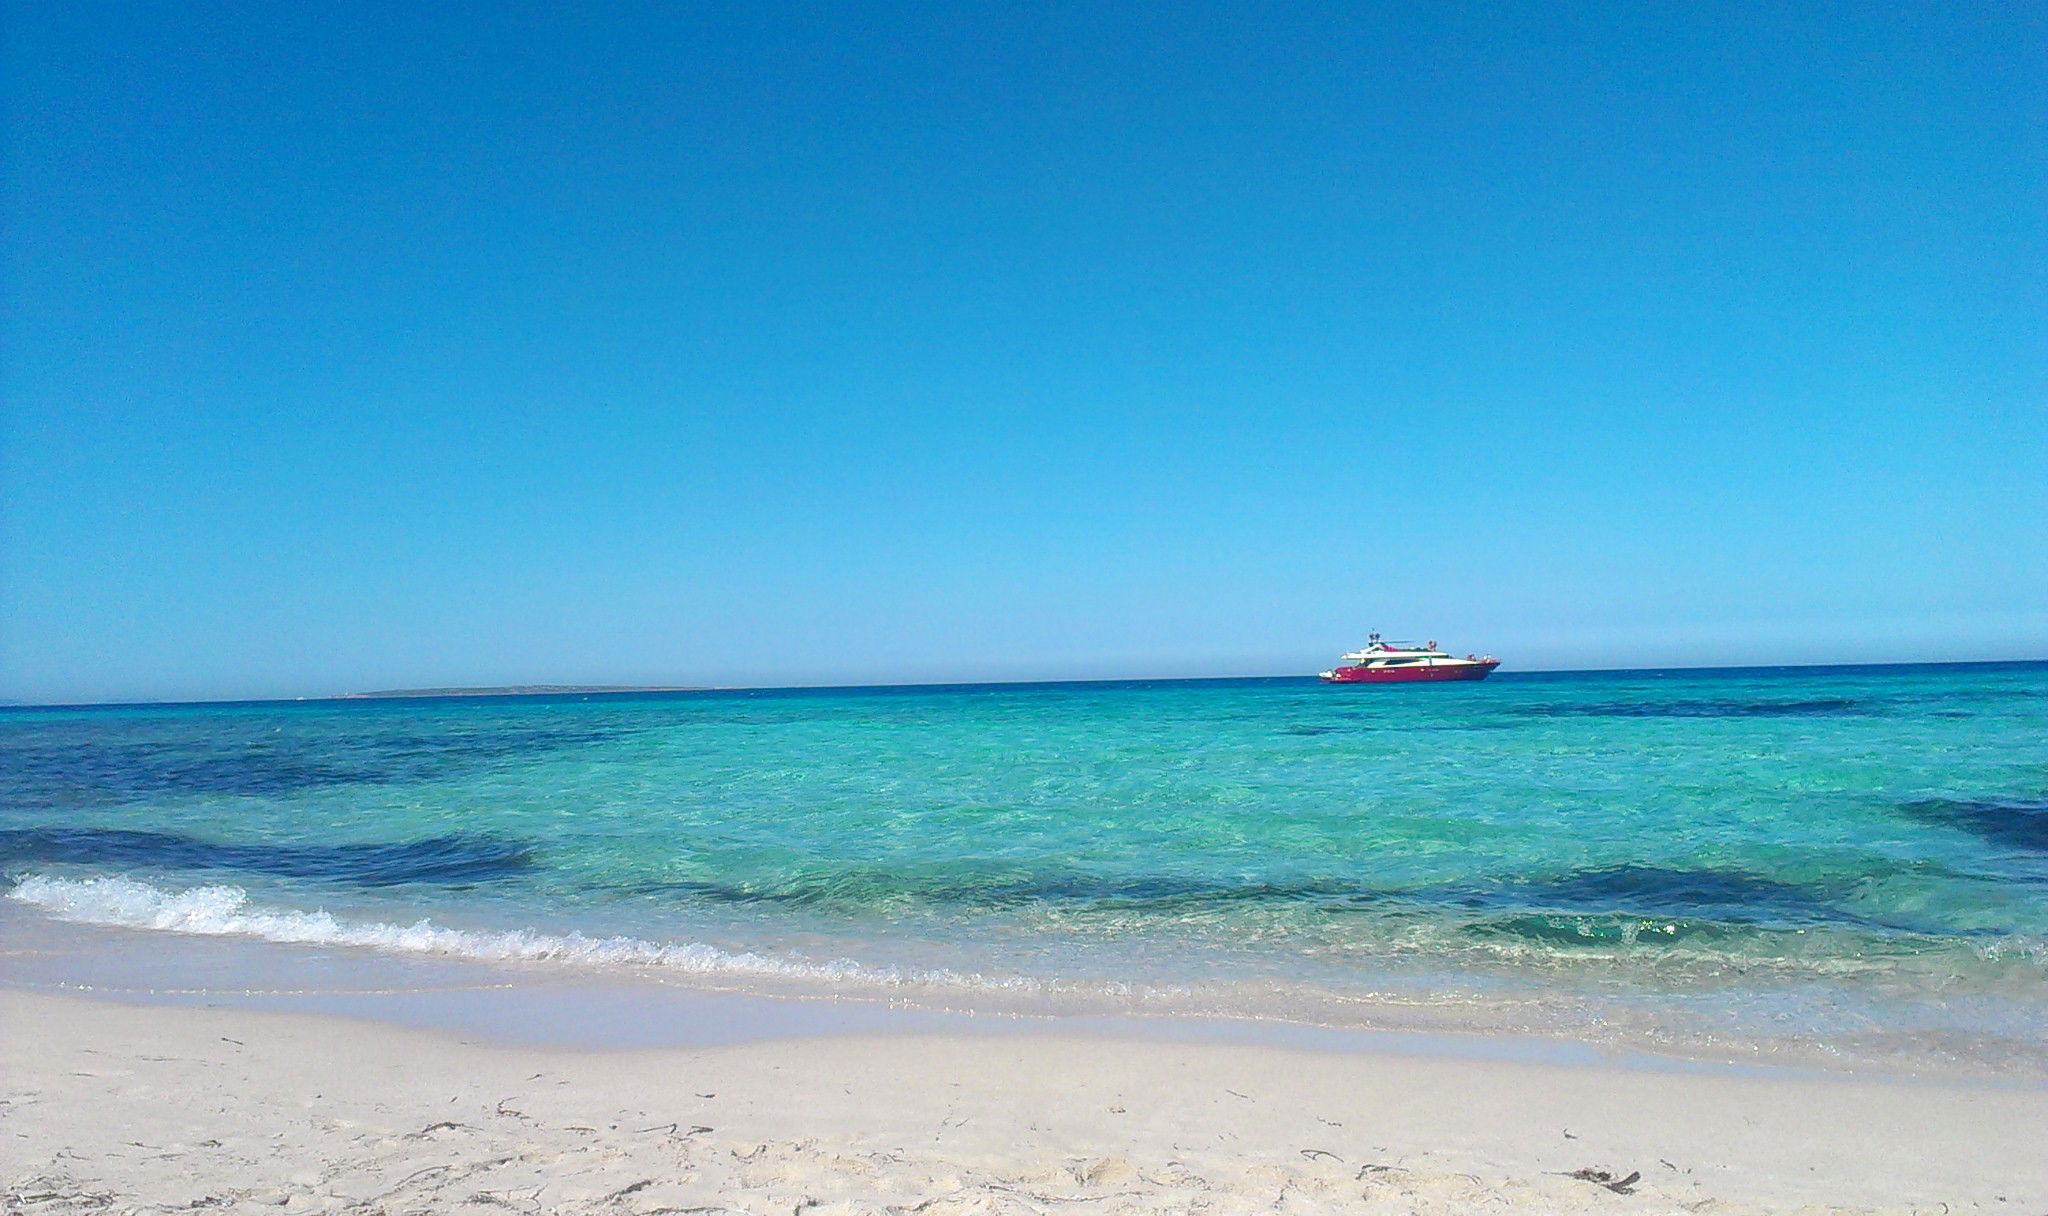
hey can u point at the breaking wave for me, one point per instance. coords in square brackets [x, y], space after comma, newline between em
[224, 911]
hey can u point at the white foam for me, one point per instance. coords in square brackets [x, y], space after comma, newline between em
[224, 911]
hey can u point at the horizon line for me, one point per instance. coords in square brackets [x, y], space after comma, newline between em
[574, 690]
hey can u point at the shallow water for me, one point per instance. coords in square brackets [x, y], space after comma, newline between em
[1846, 862]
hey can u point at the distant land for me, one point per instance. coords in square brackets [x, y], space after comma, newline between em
[513, 690]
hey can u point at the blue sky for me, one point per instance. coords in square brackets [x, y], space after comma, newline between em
[765, 344]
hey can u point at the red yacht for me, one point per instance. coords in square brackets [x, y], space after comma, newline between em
[1405, 662]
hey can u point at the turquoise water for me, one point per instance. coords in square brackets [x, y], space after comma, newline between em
[1834, 860]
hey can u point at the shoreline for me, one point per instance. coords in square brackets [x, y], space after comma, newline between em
[246, 1109]
[548, 1004]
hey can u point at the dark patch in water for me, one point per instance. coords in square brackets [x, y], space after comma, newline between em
[1640, 904]
[1701, 709]
[1718, 895]
[1163, 893]
[439, 859]
[70, 769]
[2014, 823]
[1732, 896]
[1637, 905]
[98, 772]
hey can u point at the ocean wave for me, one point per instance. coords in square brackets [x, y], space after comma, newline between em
[225, 911]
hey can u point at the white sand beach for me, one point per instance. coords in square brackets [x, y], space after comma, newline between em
[117, 1107]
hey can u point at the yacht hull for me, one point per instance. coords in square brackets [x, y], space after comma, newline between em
[1420, 674]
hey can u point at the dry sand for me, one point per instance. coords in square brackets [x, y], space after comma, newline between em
[112, 1107]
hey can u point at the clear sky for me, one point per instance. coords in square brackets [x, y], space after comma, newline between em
[352, 346]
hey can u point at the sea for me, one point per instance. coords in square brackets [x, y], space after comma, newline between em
[1810, 866]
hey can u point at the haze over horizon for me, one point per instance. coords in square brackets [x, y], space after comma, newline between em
[771, 345]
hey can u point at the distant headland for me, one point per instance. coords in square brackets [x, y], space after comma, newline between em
[513, 690]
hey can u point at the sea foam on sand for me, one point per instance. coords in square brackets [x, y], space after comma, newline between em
[226, 911]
